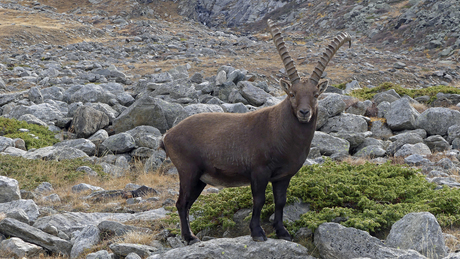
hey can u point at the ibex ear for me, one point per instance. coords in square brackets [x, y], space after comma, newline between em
[286, 86]
[323, 86]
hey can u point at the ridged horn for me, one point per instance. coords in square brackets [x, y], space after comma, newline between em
[331, 49]
[289, 65]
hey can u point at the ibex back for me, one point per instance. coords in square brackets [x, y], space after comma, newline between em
[267, 145]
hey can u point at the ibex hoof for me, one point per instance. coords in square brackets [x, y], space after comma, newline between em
[259, 238]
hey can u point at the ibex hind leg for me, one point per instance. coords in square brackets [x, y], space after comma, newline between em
[258, 184]
[190, 188]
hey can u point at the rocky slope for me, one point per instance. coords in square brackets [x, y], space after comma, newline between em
[112, 78]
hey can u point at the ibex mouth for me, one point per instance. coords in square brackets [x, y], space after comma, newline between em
[303, 119]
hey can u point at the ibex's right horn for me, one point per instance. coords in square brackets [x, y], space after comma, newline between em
[289, 65]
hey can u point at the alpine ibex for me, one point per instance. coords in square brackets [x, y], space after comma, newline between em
[267, 145]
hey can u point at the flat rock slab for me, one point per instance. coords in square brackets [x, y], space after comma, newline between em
[240, 247]
[28, 206]
[12, 227]
[71, 221]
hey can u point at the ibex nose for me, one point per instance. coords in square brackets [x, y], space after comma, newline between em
[304, 112]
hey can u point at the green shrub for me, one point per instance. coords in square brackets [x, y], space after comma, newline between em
[37, 137]
[368, 197]
[368, 93]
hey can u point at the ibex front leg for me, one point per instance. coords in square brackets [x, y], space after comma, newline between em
[259, 183]
[279, 194]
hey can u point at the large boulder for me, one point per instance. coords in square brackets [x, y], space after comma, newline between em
[92, 93]
[33, 235]
[413, 149]
[240, 247]
[44, 112]
[329, 145]
[9, 189]
[28, 206]
[254, 95]
[345, 122]
[333, 103]
[437, 143]
[19, 248]
[437, 120]
[85, 239]
[146, 136]
[420, 232]
[149, 111]
[87, 121]
[55, 153]
[336, 241]
[82, 144]
[119, 143]
[5, 143]
[403, 139]
[401, 116]
[196, 108]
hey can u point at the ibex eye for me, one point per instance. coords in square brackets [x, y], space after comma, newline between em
[316, 95]
[292, 94]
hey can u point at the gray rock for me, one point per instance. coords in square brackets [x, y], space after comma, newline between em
[371, 151]
[353, 85]
[12, 151]
[44, 112]
[155, 161]
[384, 97]
[358, 108]
[119, 143]
[33, 235]
[437, 143]
[28, 206]
[333, 103]
[102, 254]
[52, 198]
[44, 188]
[401, 116]
[402, 139]
[119, 229]
[71, 221]
[55, 153]
[18, 214]
[86, 239]
[456, 144]
[133, 256]
[345, 122]
[149, 111]
[336, 241]
[381, 130]
[123, 249]
[86, 121]
[322, 117]
[399, 65]
[35, 95]
[254, 95]
[91, 93]
[292, 212]
[383, 108]
[5, 143]
[437, 120]
[105, 108]
[9, 189]
[99, 137]
[453, 132]
[448, 181]
[31, 119]
[416, 160]
[53, 93]
[420, 232]
[20, 249]
[354, 138]
[235, 107]
[85, 187]
[221, 78]
[196, 108]
[412, 149]
[328, 144]
[240, 247]
[82, 144]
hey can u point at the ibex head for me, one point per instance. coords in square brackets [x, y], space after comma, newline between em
[303, 92]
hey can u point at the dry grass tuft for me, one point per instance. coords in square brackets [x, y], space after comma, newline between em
[420, 107]
[454, 107]
[138, 238]
[2, 216]
[355, 160]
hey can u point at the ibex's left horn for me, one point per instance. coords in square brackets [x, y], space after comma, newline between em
[289, 65]
[336, 43]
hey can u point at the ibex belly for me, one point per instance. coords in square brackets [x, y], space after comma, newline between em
[223, 182]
